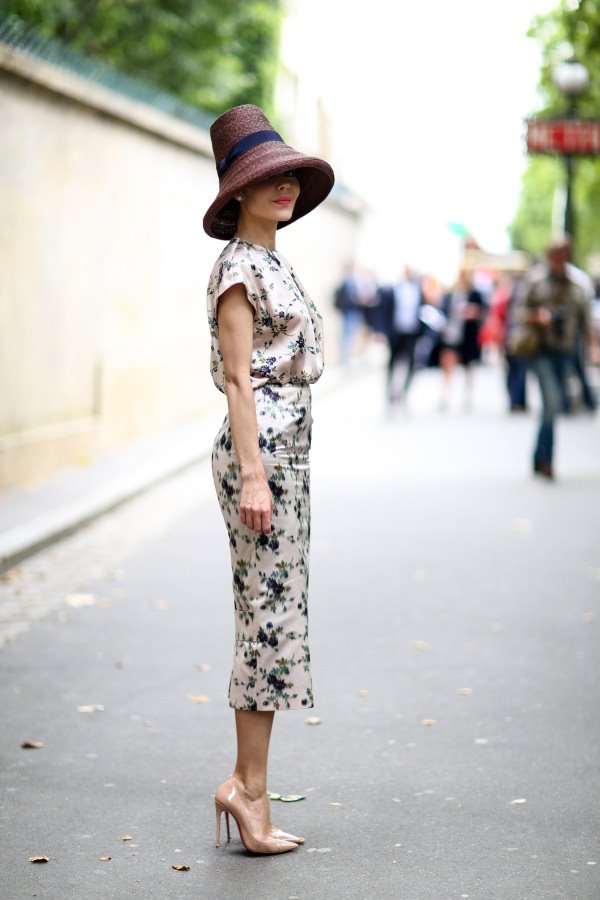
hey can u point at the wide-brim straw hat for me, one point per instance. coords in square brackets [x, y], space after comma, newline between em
[247, 150]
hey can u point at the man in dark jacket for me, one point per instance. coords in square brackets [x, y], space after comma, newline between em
[402, 305]
[556, 306]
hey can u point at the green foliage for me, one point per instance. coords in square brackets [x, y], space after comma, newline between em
[531, 226]
[571, 30]
[208, 53]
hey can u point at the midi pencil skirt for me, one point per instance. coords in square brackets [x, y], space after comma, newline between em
[271, 664]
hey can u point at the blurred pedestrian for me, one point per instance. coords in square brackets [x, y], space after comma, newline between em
[516, 366]
[346, 301]
[581, 356]
[459, 343]
[266, 350]
[555, 310]
[404, 300]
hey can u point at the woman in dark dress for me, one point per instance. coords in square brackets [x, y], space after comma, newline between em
[459, 345]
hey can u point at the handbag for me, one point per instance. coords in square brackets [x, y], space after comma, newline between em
[525, 341]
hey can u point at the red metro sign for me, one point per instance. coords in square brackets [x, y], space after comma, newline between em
[571, 137]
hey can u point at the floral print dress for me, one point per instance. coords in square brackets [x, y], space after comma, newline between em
[271, 666]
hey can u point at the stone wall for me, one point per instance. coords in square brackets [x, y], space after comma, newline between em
[104, 266]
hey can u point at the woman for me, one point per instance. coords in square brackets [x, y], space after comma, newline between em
[459, 345]
[266, 350]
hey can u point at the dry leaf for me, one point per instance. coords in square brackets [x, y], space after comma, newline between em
[362, 693]
[181, 868]
[79, 600]
[313, 720]
[465, 692]
[518, 802]
[197, 698]
[126, 837]
[38, 859]
[421, 645]
[90, 708]
[32, 745]
[428, 721]
[104, 858]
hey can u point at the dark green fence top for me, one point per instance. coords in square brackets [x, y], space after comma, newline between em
[18, 35]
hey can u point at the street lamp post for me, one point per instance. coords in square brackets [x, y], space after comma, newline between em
[572, 79]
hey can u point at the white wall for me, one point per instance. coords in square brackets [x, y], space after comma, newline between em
[103, 269]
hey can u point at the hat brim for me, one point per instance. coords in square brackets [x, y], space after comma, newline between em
[272, 158]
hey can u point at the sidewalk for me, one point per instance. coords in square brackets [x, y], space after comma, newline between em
[34, 518]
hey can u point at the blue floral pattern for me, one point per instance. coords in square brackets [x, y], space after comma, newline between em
[271, 666]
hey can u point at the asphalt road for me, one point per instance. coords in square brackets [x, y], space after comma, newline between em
[454, 614]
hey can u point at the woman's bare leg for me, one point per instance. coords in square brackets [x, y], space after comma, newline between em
[253, 737]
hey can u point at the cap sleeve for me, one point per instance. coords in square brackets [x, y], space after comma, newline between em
[239, 269]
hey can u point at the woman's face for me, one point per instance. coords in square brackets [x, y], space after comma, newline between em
[272, 200]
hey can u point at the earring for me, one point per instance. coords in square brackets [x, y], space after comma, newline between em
[238, 197]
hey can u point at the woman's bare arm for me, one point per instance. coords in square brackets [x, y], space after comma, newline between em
[236, 330]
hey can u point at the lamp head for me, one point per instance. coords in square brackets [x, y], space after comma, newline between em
[571, 78]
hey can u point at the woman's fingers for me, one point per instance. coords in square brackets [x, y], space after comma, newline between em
[256, 519]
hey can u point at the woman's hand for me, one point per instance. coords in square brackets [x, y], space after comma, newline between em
[256, 502]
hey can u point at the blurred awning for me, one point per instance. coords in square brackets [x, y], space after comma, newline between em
[513, 261]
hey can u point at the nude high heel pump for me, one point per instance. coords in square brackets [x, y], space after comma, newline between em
[284, 836]
[228, 801]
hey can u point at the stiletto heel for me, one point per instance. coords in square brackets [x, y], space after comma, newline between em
[220, 810]
[228, 801]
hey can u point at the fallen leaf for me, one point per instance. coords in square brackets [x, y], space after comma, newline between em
[32, 745]
[38, 859]
[313, 720]
[518, 802]
[481, 741]
[274, 796]
[77, 601]
[181, 868]
[421, 645]
[362, 693]
[126, 837]
[465, 692]
[334, 803]
[197, 698]
[428, 721]
[292, 798]
[104, 858]
[589, 617]
[90, 708]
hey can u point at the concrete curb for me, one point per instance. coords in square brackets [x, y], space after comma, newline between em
[29, 538]
[40, 531]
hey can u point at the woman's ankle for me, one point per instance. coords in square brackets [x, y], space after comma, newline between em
[251, 787]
